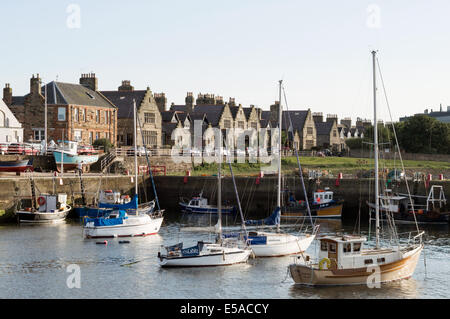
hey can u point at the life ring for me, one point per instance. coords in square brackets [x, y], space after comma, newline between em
[41, 200]
[324, 260]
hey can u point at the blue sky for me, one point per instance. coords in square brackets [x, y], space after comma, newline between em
[239, 49]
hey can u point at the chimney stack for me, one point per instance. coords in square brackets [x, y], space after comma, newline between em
[332, 118]
[35, 84]
[189, 102]
[7, 94]
[126, 86]
[90, 81]
[161, 101]
[274, 109]
[318, 117]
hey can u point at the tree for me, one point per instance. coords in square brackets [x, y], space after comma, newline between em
[103, 143]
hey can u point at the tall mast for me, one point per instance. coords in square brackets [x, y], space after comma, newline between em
[375, 138]
[135, 149]
[279, 149]
[45, 118]
[219, 186]
[280, 112]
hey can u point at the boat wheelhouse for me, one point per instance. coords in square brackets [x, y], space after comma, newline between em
[199, 205]
[343, 260]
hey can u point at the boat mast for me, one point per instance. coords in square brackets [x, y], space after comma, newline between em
[375, 137]
[45, 119]
[135, 149]
[219, 186]
[280, 112]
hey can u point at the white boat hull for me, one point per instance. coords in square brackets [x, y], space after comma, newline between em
[133, 226]
[279, 244]
[228, 256]
[402, 268]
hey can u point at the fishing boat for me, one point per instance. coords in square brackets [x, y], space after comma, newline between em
[199, 205]
[126, 219]
[66, 156]
[343, 259]
[431, 209]
[323, 205]
[225, 251]
[17, 166]
[46, 209]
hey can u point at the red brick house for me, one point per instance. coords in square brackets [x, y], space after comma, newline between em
[76, 112]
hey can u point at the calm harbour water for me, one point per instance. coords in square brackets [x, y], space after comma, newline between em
[34, 260]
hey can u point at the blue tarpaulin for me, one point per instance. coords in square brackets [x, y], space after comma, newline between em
[257, 240]
[191, 251]
[273, 219]
[104, 221]
[133, 204]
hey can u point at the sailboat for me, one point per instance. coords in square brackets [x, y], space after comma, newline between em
[342, 260]
[276, 244]
[126, 220]
[225, 251]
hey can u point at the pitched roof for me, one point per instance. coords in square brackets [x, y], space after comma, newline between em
[213, 112]
[247, 112]
[76, 94]
[18, 100]
[168, 127]
[298, 119]
[181, 108]
[167, 116]
[323, 128]
[124, 101]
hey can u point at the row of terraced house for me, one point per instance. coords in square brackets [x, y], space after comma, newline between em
[81, 112]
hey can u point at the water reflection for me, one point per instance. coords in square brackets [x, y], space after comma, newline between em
[400, 289]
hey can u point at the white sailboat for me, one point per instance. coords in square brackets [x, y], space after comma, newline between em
[135, 220]
[277, 244]
[225, 251]
[343, 260]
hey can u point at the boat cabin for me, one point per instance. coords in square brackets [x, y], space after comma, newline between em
[339, 251]
[52, 203]
[323, 196]
[198, 202]
[393, 203]
[113, 197]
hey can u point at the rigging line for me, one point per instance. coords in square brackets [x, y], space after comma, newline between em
[298, 160]
[148, 164]
[398, 147]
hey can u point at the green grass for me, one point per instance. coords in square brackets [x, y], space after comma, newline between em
[332, 165]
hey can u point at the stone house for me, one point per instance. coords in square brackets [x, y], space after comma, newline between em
[327, 132]
[148, 110]
[11, 130]
[76, 112]
[302, 135]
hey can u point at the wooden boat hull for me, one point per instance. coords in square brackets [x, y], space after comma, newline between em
[281, 245]
[324, 211]
[229, 257]
[133, 226]
[400, 269]
[42, 217]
